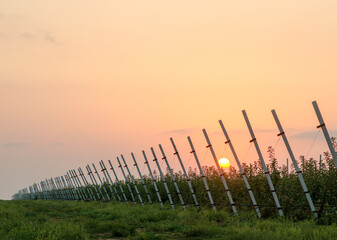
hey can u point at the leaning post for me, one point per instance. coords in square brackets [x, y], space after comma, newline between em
[325, 132]
[103, 169]
[86, 184]
[106, 173]
[72, 187]
[126, 181]
[94, 182]
[163, 179]
[80, 184]
[132, 180]
[153, 180]
[229, 142]
[265, 169]
[71, 197]
[119, 183]
[102, 183]
[185, 173]
[202, 174]
[173, 179]
[298, 171]
[141, 178]
[209, 145]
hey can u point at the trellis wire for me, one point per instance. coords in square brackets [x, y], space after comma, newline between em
[71, 187]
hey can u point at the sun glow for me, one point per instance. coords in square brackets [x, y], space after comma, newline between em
[224, 162]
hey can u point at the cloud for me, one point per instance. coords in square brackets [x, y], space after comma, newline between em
[312, 134]
[266, 130]
[48, 37]
[241, 130]
[26, 35]
[3, 35]
[15, 22]
[178, 131]
[15, 144]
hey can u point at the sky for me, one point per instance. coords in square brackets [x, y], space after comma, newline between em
[82, 81]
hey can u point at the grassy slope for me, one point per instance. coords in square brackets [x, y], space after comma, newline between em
[95, 220]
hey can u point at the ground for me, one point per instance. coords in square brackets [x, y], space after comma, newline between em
[43, 219]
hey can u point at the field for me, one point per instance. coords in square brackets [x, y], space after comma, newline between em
[55, 219]
[45, 219]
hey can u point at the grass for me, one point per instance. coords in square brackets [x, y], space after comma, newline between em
[43, 219]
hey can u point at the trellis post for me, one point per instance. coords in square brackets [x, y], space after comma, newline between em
[209, 145]
[71, 179]
[132, 180]
[229, 142]
[94, 182]
[119, 184]
[106, 174]
[141, 178]
[265, 169]
[172, 176]
[320, 162]
[63, 195]
[102, 183]
[126, 181]
[86, 184]
[185, 174]
[80, 184]
[67, 189]
[201, 173]
[51, 188]
[163, 179]
[153, 179]
[84, 195]
[298, 171]
[74, 190]
[325, 132]
[43, 196]
[45, 185]
[62, 189]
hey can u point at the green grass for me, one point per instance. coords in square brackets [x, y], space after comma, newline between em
[44, 219]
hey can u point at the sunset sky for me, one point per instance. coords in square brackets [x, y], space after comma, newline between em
[82, 81]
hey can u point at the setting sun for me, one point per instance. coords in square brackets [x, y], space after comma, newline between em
[224, 162]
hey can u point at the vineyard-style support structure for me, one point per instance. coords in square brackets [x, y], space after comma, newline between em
[298, 171]
[141, 178]
[153, 179]
[325, 132]
[229, 142]
[172, 176]
[185, 174]
[188, 187]
[108, 178]
[132, 180]
[117, 180]
[266, 172]
[201, 173]
[126, 181]
[163, 179]
[209, 145]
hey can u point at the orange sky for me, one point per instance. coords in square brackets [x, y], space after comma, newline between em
[82, 81]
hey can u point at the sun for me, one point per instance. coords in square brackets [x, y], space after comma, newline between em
[224, 162]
